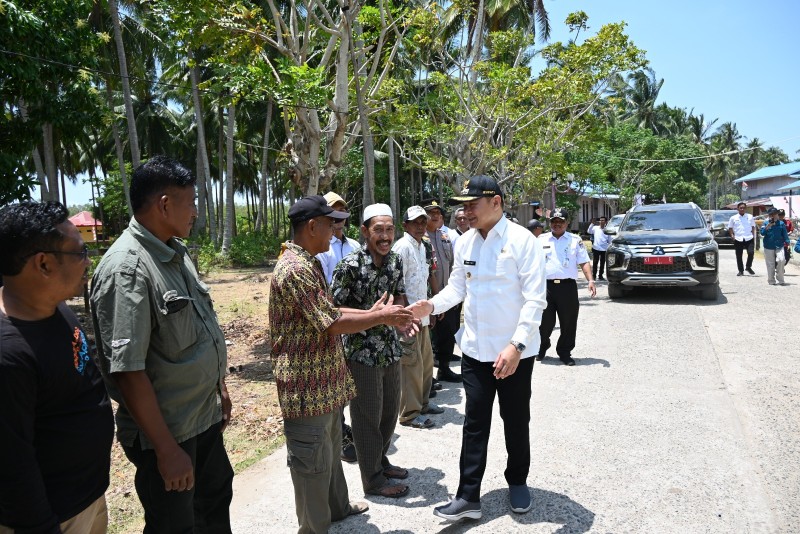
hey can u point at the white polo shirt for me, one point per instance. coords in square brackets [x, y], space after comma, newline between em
[563, 255]
[601, 239]
[415, 270]
[742, 226]
[339, 249]
[501, 281]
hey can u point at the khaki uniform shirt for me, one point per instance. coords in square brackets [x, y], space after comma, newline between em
[152, 313]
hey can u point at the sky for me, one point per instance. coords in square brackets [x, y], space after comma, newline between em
[730, 60]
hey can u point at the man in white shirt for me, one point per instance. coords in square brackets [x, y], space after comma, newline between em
[600, 242]
[742, 228]
[341, 245]
[563, 253]
[498, 271]
[416, 372]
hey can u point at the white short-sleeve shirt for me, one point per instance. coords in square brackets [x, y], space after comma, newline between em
[562, 255]
[742, 226]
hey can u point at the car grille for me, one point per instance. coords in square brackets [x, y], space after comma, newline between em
[680, 265]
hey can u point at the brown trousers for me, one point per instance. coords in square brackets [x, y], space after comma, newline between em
[417, 374]
[92, 520]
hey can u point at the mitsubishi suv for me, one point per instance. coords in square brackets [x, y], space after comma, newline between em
[663, 245]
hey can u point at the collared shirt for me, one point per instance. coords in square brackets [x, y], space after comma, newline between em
[776, 236]
[443, 249]
[339, 249]
[601, 239]
[563, 255]
[742, 226]
[359, 283]
[415, 269]
[501, 281]
[152, 313]
[310, 370]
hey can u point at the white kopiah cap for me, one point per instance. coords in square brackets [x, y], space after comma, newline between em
[375, 210]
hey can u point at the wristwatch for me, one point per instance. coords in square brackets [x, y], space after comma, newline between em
[519, 346]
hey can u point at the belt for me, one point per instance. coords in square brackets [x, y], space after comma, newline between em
[559, 280]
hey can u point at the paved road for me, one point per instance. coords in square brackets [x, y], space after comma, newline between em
[681, 416]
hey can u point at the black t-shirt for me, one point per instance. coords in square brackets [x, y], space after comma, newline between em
[56, 423]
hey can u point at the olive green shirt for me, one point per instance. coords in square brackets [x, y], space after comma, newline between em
[152, 313]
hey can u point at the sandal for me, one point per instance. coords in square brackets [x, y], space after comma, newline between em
[391, 491]
[395, 472]
[418, 422]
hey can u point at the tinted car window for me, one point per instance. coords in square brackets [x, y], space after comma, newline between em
[723, 216]
[687, 219]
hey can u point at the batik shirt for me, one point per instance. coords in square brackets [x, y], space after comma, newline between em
[359, 283]
[310, 372]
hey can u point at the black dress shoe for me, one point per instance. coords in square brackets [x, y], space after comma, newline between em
[751, 271]
[446, 375]
[567, 360]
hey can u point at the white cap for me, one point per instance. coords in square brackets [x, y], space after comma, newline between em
[375, 210]
[415, 212]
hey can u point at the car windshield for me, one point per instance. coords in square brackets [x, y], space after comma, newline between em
[677, 219]
[615, 220]
[723, 216]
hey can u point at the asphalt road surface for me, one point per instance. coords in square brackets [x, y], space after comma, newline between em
[681, 415]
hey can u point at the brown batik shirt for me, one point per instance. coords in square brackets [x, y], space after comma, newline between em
[310, 371]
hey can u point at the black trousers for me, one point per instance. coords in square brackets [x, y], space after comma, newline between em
[443, 336]
[562, 300]
[514, 394]
[598, 256]
[203, 509]
[739, 247]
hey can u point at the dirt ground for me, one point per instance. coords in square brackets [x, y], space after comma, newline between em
[240, 299]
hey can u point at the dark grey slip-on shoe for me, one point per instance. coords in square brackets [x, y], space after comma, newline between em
[520, 498]
[457, 509]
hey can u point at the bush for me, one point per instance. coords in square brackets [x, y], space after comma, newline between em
[249, 249]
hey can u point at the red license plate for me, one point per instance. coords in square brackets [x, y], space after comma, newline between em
[658, 260]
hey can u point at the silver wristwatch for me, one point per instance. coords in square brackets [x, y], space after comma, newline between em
[519, 346]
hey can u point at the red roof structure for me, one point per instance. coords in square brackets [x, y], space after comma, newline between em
[84, 218]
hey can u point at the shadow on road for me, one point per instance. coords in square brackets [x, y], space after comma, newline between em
[672, 296]
[548, 507]
[553, 360]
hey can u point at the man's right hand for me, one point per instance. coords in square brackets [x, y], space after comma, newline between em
[421, 308]
[176, 469]
[396, 315]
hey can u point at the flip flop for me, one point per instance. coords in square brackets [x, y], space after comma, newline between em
[395, 472]
[418, 422]
[389, 490]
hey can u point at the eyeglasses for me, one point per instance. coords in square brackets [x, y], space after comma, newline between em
[84, 252]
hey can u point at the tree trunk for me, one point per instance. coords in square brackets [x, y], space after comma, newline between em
[123, 175]
[199, 227]
[393, 200]
[220, 170]
[263, 178]
[63, 188]
[363, 115]
[37, 157]
[133, 139]
[202, 153]
[51, 170]
[230, 215]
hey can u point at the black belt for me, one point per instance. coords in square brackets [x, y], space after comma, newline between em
[559, 280]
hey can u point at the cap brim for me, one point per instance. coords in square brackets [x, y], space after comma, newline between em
[460, 200]
[339, 215]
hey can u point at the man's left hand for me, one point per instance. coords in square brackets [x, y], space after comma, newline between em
[506, 363]
[592, 288]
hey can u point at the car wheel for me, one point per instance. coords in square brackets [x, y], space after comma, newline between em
[615, 291]
[709, 292]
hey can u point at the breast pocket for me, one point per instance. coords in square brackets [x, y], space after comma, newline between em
[176, 328]
[506, 265]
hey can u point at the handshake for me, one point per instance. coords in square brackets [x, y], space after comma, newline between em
[405, 319]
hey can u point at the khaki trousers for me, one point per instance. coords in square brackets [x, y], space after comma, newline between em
[92, 520]
[416, 374]
[775, 263]
[320, 489]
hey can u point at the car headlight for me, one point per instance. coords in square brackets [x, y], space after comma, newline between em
[711, 259]
[702, 244]
[611, 259]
